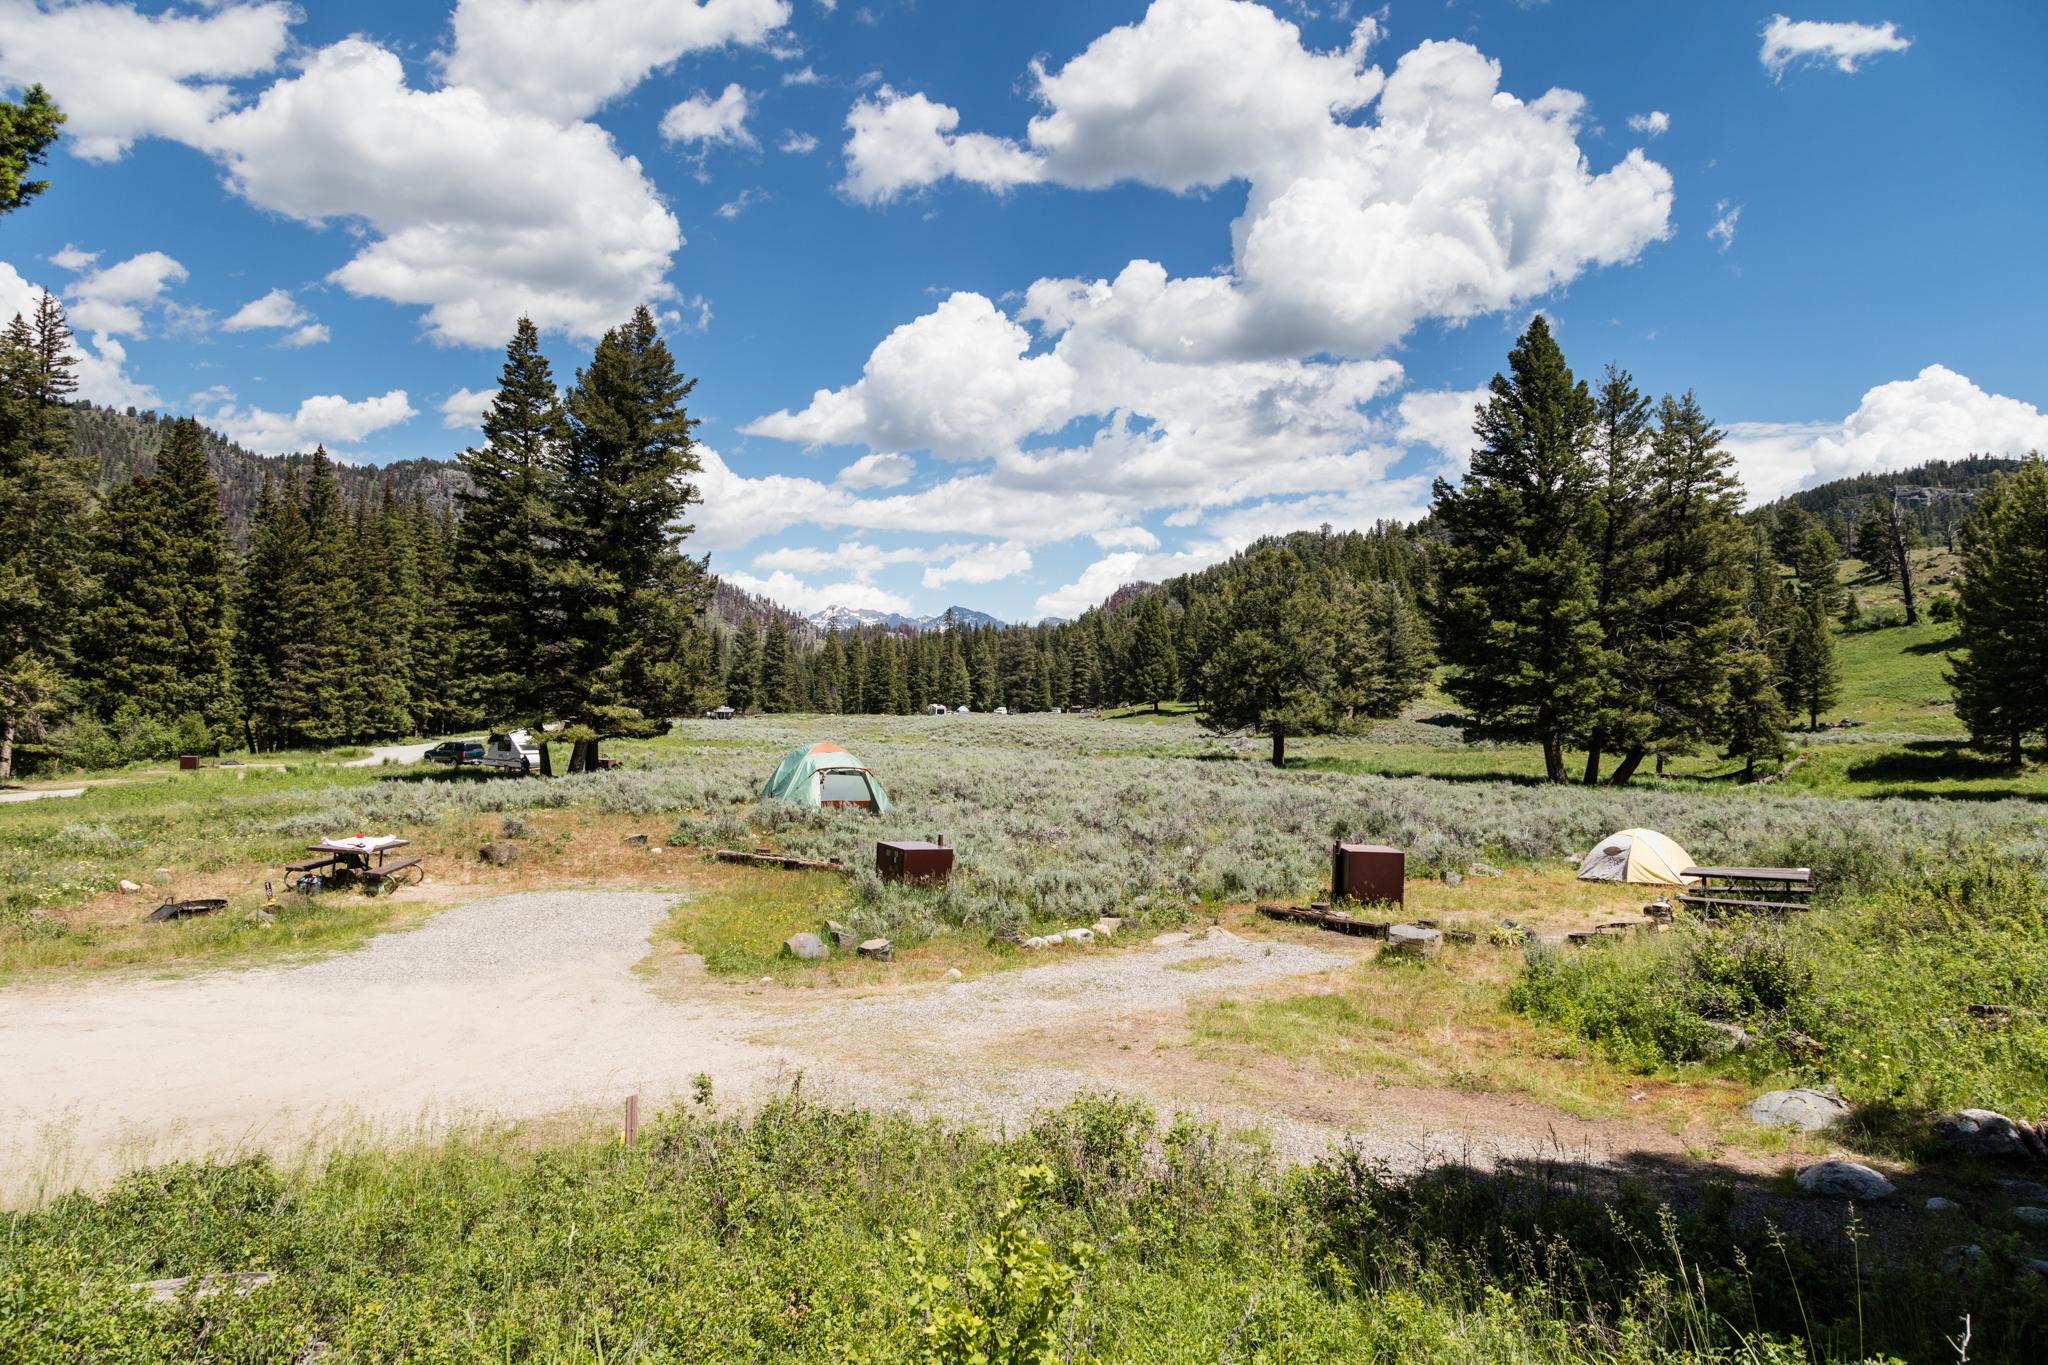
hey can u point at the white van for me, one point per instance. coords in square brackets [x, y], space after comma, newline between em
[515, 752]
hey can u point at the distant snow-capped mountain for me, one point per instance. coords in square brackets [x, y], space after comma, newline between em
[853, 618]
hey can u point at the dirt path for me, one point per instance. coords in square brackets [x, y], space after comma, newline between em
[392, 753]
[527, 1005]
[41, 794]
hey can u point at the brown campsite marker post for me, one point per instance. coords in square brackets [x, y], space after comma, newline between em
[632, 1120]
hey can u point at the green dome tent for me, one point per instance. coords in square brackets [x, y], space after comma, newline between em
[825, 775]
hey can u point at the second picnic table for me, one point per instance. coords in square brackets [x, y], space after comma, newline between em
[1750, 888]
[353, 855]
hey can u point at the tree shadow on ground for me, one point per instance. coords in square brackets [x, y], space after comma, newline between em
[1728, 1245]
[1932, 761]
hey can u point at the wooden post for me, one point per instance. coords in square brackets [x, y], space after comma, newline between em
[632, 1120]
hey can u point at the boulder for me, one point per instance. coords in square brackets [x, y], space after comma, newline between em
[1938, 1204]
[498, 853]
[635, 841]
[1957, 1260]
[1723, 1039]
[1034, 943]
[1415, 940]
[1484, 870]
[1115, 922]
[2026, 1191]
[878, 949]
[128, 886]
[1454, 878]
[1103, 929]
[844, 937]
[954, 974]
[808, 947]
[1807, 1110]
[1844, 1180]
[1980, 1132]
[1172, 940]
[2033, 1215]
[1079, 936]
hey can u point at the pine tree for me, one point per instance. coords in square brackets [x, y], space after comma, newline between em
[128, 640]
[1155, 671]
[512, 622]
[1018, 661]
[1873, 540]
[1521, 603]
[2002, 615]
[201, 561]
[959, 688]
[1382, 657]
[1274, 665]
[1622, 557]
[45, 501]
[310, 686]
[1812, 677]
[621, 572]
[28, 128]
[743, 671]
[1672, 665]
[438, 700]
[777, 669]
[1755, 721]
[982, 668]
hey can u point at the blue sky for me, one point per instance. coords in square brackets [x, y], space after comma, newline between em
[1009, 304]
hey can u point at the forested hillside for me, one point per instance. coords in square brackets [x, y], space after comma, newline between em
[124, 445]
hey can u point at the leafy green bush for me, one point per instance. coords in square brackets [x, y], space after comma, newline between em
[811, 1234]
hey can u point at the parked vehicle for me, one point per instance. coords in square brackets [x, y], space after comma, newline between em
[514, 752]
[456, 751]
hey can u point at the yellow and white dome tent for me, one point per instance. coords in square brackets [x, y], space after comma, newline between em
[1642, 856]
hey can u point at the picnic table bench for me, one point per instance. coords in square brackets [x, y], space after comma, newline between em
[356, 859]
[1776, 890]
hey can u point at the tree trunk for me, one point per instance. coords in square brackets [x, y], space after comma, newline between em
[1592, 778]
[1279, 747]
[1155, 706]
[590, 763]
[1905, 567]
[2015, 752]
[1630, 761]
[1553, 759]
[547, 767]
[7, 750]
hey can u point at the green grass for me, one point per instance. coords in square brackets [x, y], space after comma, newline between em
[807, 1234]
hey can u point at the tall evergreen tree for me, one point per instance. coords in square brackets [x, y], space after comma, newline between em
[45, 501]
[512, 618]
[1274, 668]
[2002, 616]
[743, 669]
[1155, 671]
[1521, 604]
[778, 668]
[311, 684]
[201, 561]
[1812, 674]
[128, 641]
[1622, 555]
[28, 129]
[1672, 664]
[621, 572]
[1382, 655]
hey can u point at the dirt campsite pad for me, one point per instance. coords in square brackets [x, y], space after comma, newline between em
[529, 1005]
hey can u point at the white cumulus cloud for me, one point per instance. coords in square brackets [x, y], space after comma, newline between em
[901, 142]
[120, 75]
[1936, 415]
[566, 58]
[464, 409]
[1656, 123]
[879, 469]
[984, 564]
[1726, 216]
[324, 419]
[1789, 42]
[703, 120]
[112, 300]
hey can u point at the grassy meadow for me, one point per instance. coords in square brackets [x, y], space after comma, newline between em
[806, 1233]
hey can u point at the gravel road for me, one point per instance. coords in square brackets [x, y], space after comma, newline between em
[527, 1005]
[43, 794]
[392, 753]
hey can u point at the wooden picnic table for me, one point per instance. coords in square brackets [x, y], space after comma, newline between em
[351, 857]
[1749, 888]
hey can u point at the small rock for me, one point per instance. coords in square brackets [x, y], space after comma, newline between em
[1484, 870]
[1103, 929]
[878, 949]
[635, 841]
[1034, 943]
[498, 853]
[1844, 1180]
[1454, 878]
[1980, 1132]
[1172, 940]
[954, 974]
[1414, 940]
[162, 874]
[2026, 1191]
[766, 981]
[1937, 1204]
[1723, 1039]
[807, 947]
[1115, 922]
[1216, 933]
[1808, 1110]
[2031, 1214]
[841, 935]
[1956, 1260]
[1079, 936]
[127, 886]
